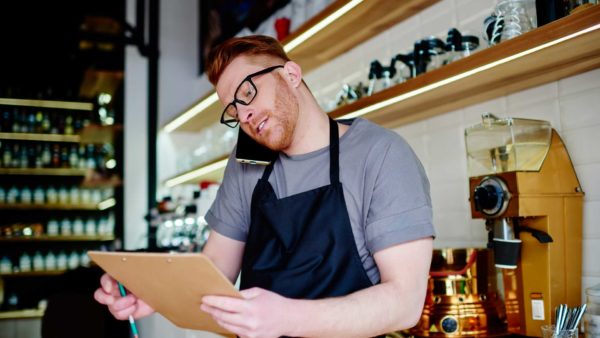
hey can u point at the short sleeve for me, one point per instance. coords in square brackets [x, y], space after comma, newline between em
[229, 215]
[400, 205]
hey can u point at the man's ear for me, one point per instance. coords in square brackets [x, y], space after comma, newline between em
[292, 73]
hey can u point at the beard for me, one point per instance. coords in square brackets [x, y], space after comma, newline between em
[282, 119]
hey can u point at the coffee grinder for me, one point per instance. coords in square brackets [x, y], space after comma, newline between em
[523, 184]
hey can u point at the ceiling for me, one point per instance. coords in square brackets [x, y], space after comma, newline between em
[50, 48]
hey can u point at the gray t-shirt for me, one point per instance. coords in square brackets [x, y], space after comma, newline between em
[385, 187]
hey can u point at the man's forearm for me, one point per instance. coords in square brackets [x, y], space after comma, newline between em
[377, 310]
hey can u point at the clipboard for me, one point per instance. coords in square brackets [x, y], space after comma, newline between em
[172, 284]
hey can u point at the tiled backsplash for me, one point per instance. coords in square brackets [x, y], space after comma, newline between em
[571, 105]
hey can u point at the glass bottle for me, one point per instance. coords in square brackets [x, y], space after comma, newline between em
[81, 157]
[73, 157]
[69, 125]
[6, 125]
[26, 195]
[78, 227]
[46, 127]
[39, 119]
[38, 195]
[64, 157]
[6, 156]
[50, 261]
[16, 121]
[25, 263]
[51, 195]
[61, 261]
[38, 261]
[52, 227]
[46, 156]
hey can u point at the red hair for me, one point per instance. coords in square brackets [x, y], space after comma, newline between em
[254, 45]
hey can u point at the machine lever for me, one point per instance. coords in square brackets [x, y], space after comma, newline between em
[541, 236]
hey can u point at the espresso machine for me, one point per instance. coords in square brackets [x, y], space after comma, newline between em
[523, 184]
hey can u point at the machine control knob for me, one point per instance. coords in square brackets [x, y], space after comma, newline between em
[491, 196]
[449, 324]
[486, 197]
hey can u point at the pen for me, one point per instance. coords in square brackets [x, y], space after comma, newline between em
[134, 330]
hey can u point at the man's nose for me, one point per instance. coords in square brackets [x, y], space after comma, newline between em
[245, 113]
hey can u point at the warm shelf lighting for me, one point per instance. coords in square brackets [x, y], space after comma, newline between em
[461, 76]
[109, 203]
[320, 25]
[196, 173]
[190, 113]
[47, 104]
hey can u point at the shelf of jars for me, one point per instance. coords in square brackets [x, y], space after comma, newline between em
[327, 35]
[557, 50]
[22, 314]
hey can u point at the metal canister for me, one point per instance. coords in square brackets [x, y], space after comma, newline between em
[462, 296]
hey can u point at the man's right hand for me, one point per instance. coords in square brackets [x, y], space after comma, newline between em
[120, 307]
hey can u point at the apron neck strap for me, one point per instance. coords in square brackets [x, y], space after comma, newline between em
[334, 155]
[334, 152]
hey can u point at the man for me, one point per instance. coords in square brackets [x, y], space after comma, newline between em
[334, 238]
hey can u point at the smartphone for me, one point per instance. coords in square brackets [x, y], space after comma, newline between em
[251, 152]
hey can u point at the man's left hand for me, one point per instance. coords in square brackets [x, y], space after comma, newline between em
[261, 313]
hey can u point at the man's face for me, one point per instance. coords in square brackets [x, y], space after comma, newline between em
[271, 117]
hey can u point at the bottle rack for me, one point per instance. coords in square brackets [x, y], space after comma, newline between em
[59, 195]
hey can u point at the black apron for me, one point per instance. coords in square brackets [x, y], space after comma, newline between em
[302, 246]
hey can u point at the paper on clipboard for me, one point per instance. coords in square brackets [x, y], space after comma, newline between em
[172, 284]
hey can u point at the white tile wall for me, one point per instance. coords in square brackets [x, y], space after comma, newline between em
[571, 105]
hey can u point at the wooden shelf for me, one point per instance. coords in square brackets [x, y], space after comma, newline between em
[44, 273]
[86, 106]
[90, 134]
[44, 171]
[47, 238]
[22, 314]
[40, 137]
[549, 53]
[362, 22]
[33, 206]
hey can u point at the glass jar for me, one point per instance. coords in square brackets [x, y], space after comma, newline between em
[591, 318]
[516, 20]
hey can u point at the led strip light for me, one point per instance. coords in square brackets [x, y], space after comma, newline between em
[196, 173]
[320, 25]
[190, 113]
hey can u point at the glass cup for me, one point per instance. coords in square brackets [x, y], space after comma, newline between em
[549, 331]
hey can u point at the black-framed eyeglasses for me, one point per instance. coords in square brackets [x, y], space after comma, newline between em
[244, 95]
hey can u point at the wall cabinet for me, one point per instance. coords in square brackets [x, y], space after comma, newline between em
[60, 195]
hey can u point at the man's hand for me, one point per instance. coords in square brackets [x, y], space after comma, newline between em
[261, 313]
[120, 307]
